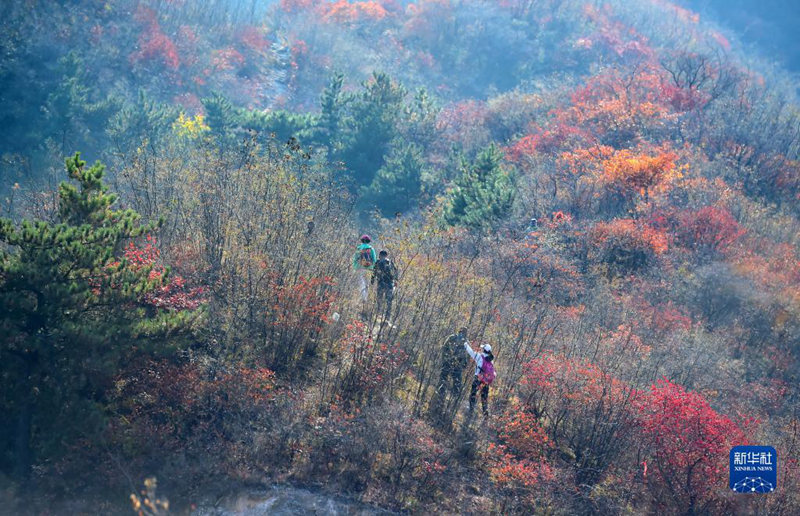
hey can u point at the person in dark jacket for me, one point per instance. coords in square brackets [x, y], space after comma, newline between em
[385, 275]
[450, 376]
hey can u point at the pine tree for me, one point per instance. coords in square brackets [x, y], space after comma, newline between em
[72, 118]
[146, 120]
[220, 117]
[397, 184]
[332, 104]
[71, 312]
[483, 194]
[372, 127]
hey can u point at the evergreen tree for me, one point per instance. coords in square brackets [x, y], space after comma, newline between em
[397, 184]
[372, 127]
[230, 123]
[145, 120]
[332, 105]
[73, 119]
[483, 194]
[71, 312]
[419, 124]
[220, 117]
[283, 124]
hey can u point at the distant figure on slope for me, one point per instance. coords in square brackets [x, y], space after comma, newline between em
[385, 273]
[364, 262]
[452, 364]
[484, 376]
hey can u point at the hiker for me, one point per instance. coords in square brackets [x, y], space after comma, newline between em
[364, 262]
[452, 363]
[484, 376]
[385, 273]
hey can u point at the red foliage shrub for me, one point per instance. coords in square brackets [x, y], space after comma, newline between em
[226, 59]
[344, 11]
[154, 45]
[616, 37]
[628, 173]
[546, 141]
[295, 6]
[372, 366]
[463, 122]
[163, 407]
[176, 293]
[302, 307]
[687, 445]
[585, 410]
[709, 229]
[616, 108]
[254, 39]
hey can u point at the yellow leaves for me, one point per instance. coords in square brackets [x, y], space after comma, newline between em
[135, 502]
[190, 127]
[629, 171]
[148, 504]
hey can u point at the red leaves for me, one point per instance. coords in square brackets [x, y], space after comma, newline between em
[176, 293]
[711, 228]
[296, 6]
[547, 142]
[254, 39]
[372, 365]
[227, 59]
[303, 306]
[518, 462]
[510, 472]
[688, 442]
[521, 432]
[618, 38]
[154, 45]
[463, 122]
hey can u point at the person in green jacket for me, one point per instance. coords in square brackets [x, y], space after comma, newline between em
[364, 262]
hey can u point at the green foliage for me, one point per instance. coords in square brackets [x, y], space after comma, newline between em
[372, 126]
[332, 103]
[220, 116]
[398, 182]
[483, 194]
[227, 121]
[72, 116]
[146, 120]
[283, 124]
[72, 312]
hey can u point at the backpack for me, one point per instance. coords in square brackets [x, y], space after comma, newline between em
[487, 374]
[365, 257]
[385, 272]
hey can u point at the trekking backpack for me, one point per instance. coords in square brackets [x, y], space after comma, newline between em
[385, 272]
[365, 258]
[487, 374]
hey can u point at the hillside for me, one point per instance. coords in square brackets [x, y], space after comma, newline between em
[605, 192]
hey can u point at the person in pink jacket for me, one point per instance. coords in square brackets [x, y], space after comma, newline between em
[484, 375]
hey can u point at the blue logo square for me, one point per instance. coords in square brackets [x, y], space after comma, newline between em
[753, 469]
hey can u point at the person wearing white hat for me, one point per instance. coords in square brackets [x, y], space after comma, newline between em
[484, 376]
